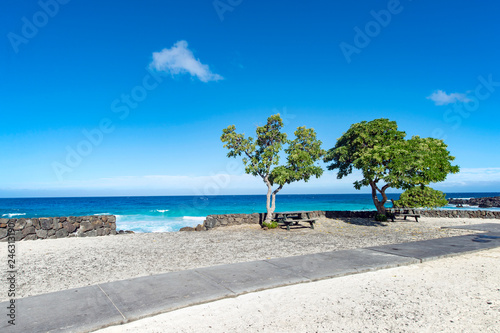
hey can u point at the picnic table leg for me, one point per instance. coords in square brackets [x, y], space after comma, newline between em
[312, 225]
[416, 218]
[288, 227]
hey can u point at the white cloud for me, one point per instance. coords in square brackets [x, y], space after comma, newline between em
[179, 60]
[468, 176]
[440, 97]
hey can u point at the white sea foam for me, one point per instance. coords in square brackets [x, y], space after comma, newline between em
[194, 218]
[13, 214]
[102, 214]
[162, 210]
[159, 229]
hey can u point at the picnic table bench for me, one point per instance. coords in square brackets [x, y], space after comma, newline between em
[289, 218]
[402, 212]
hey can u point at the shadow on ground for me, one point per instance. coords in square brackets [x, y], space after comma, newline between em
[363, 222]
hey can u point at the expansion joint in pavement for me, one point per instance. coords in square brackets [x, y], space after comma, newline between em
[124, 318]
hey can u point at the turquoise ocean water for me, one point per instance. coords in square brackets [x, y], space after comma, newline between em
[170, 213]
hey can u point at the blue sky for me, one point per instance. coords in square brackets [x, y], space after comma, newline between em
[141, 90]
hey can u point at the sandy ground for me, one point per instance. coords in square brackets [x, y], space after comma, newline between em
[52, 265]
[458, 294]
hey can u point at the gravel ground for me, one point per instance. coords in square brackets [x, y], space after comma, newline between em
[59, 264]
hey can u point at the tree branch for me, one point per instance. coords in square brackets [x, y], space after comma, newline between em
[278, 189]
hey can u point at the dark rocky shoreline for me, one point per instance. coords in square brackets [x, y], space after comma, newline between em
[479, 202]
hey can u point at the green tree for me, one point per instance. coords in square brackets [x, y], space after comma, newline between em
[421, 197]
[262, 155]
[386, 160]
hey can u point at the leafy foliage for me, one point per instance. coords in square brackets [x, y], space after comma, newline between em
[270, 224]
[421, 197]
[380, 218]
[387, 160]
[262, 155]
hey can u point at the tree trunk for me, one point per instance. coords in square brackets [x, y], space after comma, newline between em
[270, 207]
[273, 202]
[378, 204]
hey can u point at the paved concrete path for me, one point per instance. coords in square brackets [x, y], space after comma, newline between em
[90, 308]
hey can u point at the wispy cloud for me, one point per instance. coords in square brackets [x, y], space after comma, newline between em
[180, 60]
[440, 97]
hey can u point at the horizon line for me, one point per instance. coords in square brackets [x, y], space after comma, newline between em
[208, 195]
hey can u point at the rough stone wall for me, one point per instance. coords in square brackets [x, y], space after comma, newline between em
[57, 227]
[481, 214]
[214, 221]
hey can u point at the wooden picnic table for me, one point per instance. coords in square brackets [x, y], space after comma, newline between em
[295, 217]
[402, 212]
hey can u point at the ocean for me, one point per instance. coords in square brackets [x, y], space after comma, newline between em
[170, 213]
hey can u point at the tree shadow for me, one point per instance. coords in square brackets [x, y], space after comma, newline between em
[362, 221]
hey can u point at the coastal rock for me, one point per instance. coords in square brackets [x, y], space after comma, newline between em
[86, 226]
[20, 224]
[55, 223]
[487, 202]
[51, 232]
[30, 237]
[61, 233]
[18, 235]
[28, 231]
[210, 222]
[40, 233]
[185, 229]
[199, 227]
[46, 223]
[97, 224]
[70, 227]
[3, 233]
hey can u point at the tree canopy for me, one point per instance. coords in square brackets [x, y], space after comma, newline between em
[262, 155]
[387, 160]
[421, 197]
